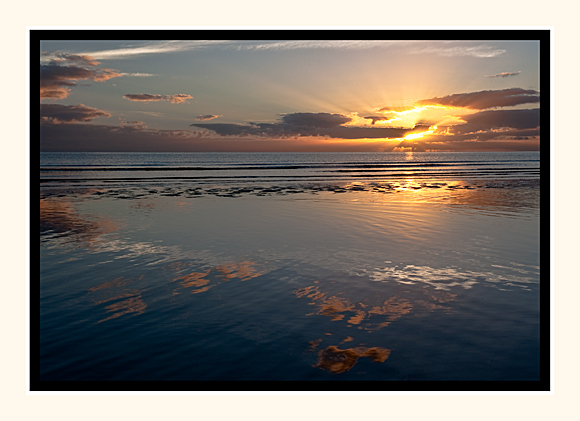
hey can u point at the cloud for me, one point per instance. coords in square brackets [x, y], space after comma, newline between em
[207, 117]
[174, 99]
[134, 123]
[394, 109]
[302, 125]
[130, 136]
[491, 125]
[138, 74]
[315, 44]
[94, 137]
[64, 70]
[506, 74]
[58, 114]
[486, 99]
[516, 119]
[479, 51]
[150, 113]
[154, 48]
[174, 46]
[441, 48]
[374, 119]
[324, 120]
[59, 58]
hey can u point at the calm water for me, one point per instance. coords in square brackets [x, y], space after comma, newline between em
[290, 267]
[91, 169]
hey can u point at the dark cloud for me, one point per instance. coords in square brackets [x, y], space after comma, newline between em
[57, 113]
[57, 79]
[93, 137]
[460, 145]
[505, 74]
[127, 137]
[174, 99]
[59, 58]
[134, 123]
[494, 125]
[419, 127]
[517, 119]
[207, 117]
[323, 120]
[304, 124]
[228, 129]
[465, 134]
[486, 99]
[374, 119]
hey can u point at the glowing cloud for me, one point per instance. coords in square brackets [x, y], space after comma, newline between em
[207, 117]
[481, 51]
[505, 74]
[419, 135]
[174, 99]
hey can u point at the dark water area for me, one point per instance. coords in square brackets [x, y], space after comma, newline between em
[327, 282]
[90, 169]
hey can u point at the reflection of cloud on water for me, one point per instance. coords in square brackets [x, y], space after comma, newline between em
[155, 252]
[129, 303]
[445, 278]
[335, 360]
[200, 281]
[340, 308]
[371, 315]
[122, 300]
[60, 220]
[123, 297]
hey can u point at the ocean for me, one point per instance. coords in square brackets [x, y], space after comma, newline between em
[314, 271]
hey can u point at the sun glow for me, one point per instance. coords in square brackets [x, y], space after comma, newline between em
[413, 136]
[411, 116]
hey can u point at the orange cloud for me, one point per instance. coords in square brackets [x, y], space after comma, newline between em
[207, 117]
[174, 99]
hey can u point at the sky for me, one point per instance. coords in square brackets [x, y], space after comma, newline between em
[289, 95]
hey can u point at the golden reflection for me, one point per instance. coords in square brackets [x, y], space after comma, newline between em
[115, 283]
[367, 316]
[122, 300]
[242, 270]
[129, 304]
[335, 360]
[203, 281]
[59, 217]
[460, 195]
[338, 308]
[194, 279]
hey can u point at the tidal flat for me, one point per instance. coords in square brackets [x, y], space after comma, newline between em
[409, 280]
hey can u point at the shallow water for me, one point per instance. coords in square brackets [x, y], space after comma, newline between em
[394, 279]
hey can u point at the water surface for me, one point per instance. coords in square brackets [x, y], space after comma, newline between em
[343, 267]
